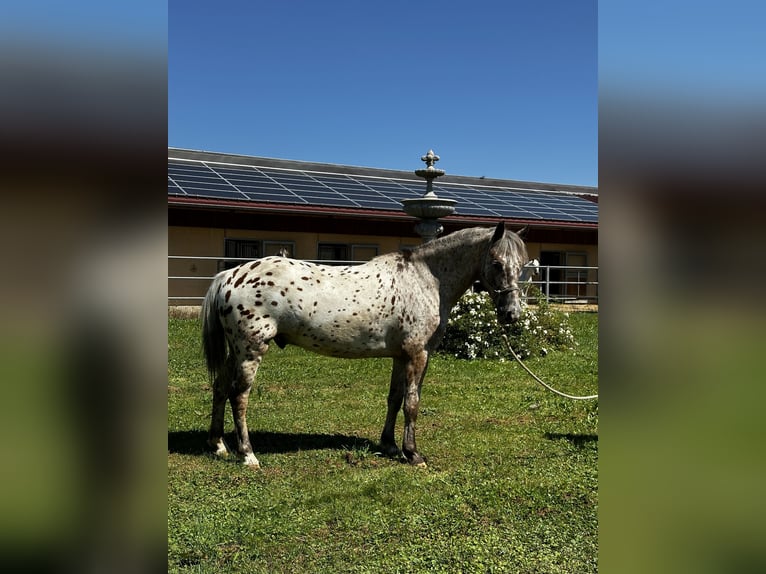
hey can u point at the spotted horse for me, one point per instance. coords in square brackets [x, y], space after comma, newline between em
[395, 305]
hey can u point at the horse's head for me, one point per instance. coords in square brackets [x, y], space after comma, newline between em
[500, 272]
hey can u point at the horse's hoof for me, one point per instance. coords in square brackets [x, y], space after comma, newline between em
[219, 449]
[251, 461]
[391, 451]
[415, 460]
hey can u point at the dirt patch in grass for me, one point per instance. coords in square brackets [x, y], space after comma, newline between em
[184, 311]
[575, 307]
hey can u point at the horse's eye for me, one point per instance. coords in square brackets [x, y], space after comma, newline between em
[498, 265]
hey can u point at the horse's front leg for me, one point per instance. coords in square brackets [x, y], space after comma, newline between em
[395, 398]
[415, 370]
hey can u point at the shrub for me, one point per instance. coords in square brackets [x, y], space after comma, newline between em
[474, 333]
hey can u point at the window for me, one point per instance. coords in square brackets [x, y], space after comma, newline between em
[283, 248]
[246, 249]
[345, 252]
[332, 252]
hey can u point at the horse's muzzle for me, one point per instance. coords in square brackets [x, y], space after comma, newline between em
[509, 315]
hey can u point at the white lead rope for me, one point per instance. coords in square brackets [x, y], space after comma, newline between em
[535, 377]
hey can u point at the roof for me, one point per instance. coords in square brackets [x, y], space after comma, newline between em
[214, 179]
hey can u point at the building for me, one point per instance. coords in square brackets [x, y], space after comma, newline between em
[225, 207]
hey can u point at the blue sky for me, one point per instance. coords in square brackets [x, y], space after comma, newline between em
[503, 89]
[702, 52]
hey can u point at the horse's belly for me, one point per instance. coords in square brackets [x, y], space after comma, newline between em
[344, 337]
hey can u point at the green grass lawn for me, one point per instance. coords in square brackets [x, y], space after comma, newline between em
[511, 483]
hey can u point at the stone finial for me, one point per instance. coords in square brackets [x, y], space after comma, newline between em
[430, 173]
[430, 158]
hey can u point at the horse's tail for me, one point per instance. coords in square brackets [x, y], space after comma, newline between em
[213, 337]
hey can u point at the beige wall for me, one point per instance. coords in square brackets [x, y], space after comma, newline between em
[197, 241]
[203, 241]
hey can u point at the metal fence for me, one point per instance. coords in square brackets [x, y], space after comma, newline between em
[565, 283]
[189, 277]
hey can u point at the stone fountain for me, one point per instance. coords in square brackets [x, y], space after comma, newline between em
[429, 208]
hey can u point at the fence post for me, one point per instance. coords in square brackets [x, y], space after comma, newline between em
[548, 282]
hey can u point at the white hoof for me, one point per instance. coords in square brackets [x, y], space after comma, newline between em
[220, 449]
[251, 461]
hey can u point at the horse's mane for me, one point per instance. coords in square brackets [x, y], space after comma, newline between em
[516, 245]
[471, 236]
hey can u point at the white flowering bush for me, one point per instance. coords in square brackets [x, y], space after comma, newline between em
[474, 333]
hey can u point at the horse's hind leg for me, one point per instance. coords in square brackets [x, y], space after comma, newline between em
[238, 397]
[221, 386]
[395, 398]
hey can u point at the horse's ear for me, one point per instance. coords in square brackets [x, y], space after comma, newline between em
[523, 232]
[499, 232]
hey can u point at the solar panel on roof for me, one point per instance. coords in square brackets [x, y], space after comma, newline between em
[318, 196]
[263, 189]
[264, 186]
[351, 186]
[354, 193]
[235, 175]
[311, 189]
[291, 181]
[272, 198]
[270, 185]
[391, 185]
[389, 206]
[232, 168]
[189, 170]
[207, 187]
[335, 178]
[474, 210]
[395, 196]
[260, 182]
[337, 201]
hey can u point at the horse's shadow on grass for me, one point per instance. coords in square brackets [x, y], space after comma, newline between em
[578, 440]
[265, 442]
